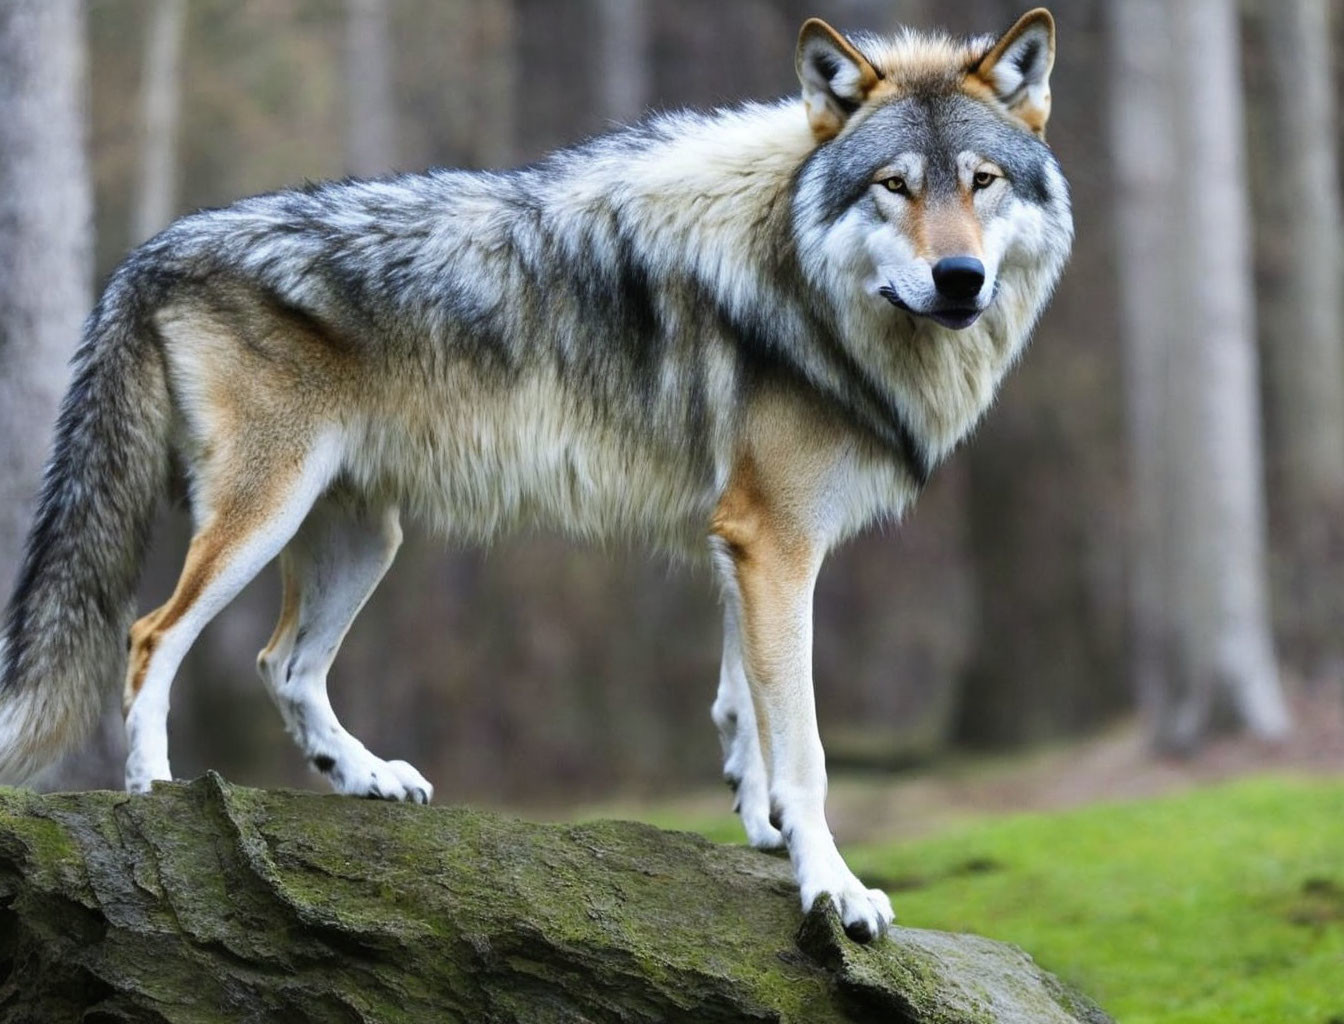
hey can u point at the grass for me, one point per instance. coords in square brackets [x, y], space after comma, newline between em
[1219, 906]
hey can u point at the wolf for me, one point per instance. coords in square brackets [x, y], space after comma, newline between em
[741, 335]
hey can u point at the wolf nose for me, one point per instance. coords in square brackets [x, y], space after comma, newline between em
[959, 277]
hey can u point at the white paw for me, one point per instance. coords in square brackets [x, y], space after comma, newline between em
[142, 771]
[146, 747]
[752, 803]
[415, 786]
[761, 834]
[362, 774]
[865, 913]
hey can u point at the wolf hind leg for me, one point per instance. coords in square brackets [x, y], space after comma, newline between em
[735, 719]
[330, 568]
[251, 510]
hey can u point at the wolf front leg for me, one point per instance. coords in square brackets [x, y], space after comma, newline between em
[770, 576]
[735, 718]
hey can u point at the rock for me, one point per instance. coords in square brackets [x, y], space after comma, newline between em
[209, 902]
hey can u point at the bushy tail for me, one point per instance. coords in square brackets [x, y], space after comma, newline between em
[64, 641]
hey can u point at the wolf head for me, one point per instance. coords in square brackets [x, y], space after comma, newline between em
[931, 183]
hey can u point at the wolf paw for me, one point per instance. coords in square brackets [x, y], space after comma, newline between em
[865, 913]
[752, 804]
[143, 771]
[761, 834]
[372, 777]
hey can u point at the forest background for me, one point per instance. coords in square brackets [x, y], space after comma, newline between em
[1146, 534]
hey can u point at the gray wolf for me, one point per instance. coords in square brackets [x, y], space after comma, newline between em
[741, 335]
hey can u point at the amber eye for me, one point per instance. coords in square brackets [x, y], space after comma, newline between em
[896, 185]
[983, 179]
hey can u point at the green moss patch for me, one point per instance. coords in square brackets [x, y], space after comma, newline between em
[1223, 906]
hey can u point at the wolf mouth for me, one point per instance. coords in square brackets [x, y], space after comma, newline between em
[957, 318]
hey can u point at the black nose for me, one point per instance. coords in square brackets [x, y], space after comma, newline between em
[958, 277]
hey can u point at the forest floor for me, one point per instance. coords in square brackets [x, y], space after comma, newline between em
[1206, 890]
[1116, 765]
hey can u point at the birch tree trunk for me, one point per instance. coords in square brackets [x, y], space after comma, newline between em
[371, 121]
[160, 93]
[1301, 327]
[45, 250]
[1223, 655]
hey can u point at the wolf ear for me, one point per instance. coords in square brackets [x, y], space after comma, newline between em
[1017, 69]
[836, 77]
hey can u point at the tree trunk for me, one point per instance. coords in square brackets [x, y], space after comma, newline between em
[1301, 328]
[204, 899]
[1144, 157]
[46, 262]
[371, 117]
[45, 251]
[1224, 655]
[1048, 657]
[622, 65]
[496, 94]
[160, 91]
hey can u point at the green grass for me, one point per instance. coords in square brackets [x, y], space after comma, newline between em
[1221, 906]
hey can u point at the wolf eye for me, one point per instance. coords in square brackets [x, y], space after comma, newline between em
[983, 179]
[897, 185]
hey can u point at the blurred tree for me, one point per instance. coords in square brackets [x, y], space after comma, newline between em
[46, 260]
[497, 81]
[160, 95]
[1047, 655]
[1143, 153]
[622, 64]
[1222, 657]
[45, 244]
[1296, 172]
[558, 44]
[371, 114]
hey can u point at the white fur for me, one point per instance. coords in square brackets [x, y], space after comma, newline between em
[334, 562]
[1024, 251]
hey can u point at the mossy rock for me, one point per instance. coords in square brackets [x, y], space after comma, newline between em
[209, 902]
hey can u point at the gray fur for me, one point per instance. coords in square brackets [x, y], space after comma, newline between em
[656, 301]
[65, 632]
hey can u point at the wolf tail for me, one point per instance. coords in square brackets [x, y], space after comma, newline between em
[64, 639]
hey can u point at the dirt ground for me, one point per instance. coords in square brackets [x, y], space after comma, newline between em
[1118, 764]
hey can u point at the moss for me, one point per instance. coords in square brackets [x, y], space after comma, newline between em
[286, 905]
[1193, 909]
[44, 841]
